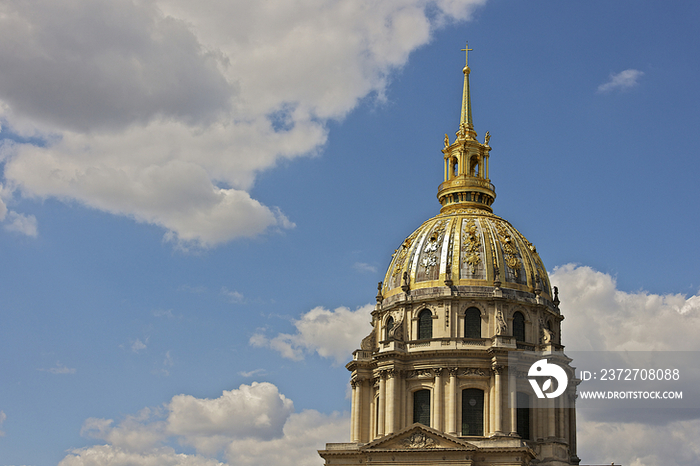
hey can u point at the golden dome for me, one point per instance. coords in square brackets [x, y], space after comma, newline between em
[466, 249]
[466, 246]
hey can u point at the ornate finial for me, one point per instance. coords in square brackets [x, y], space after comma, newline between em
[405, 287]
[447, 140]
[466, 126]
[380, 298]
[538, 288]
[487, 138]
[556, 297]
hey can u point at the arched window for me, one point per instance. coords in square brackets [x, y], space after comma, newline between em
[421, 407]
[425, 325]
[472, 411]
[519, 326]
[389, 325]
[523, 415]
[472, 323]
[474, 166]
[455, 167]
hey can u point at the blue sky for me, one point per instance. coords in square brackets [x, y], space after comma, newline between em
[197, 204]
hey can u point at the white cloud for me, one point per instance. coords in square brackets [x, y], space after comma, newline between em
[138, 345]
[251, 425]
[138, 433]
[363, 267]
[601, 317]
[252, 373]
[304, 434]
[636, 444]
[20, 223]
[60, 369]
[166, 111]
[621, 81]
[232, 296]
[163, 313]
[332, 334]
[108, 455]
[257, 410]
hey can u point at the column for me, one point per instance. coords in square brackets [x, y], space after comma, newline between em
[552, 417]
[572, 426]
[382, 404]
[498, 370]
[451, 426]
[565, 418]
[487, 415]
[355, 418]
[513, 396]
[390, 401]
[439, 400]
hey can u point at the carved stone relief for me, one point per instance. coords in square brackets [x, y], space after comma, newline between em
[419, 440]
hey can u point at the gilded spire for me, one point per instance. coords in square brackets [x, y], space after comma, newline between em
[466, 125]
[467, 182]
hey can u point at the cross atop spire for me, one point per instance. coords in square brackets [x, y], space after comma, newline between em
[467, 50]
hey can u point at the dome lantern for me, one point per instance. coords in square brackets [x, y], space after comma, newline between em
[466, 175]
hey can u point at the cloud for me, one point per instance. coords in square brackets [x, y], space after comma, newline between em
[168, 313]
[138, 433]
[232, 296]
[138, 345]
[60, 369]
[3, 416]
[166, 111]
[252, 373]
[20, 223]
[601, 317]
[362, 267]
[621, 81]
[251, 425]
[332, 334]
[102, 455]
[637, 444]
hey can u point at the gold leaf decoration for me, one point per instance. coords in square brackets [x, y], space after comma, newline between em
[471, 245]
[510, 253]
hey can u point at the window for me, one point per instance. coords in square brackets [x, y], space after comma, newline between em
[474, 167]
[472, 411]
[421, 407]
[472, 323]
[519, 326]
[389, 325]
[523, 415]
[425, 325]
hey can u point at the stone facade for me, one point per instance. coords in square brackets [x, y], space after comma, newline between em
[434, 382]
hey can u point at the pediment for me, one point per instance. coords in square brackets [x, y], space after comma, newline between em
[418, 437]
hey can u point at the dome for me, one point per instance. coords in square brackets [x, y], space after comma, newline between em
[466, 248]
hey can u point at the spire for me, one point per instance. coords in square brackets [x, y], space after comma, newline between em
[466, 125]
[466, 161]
